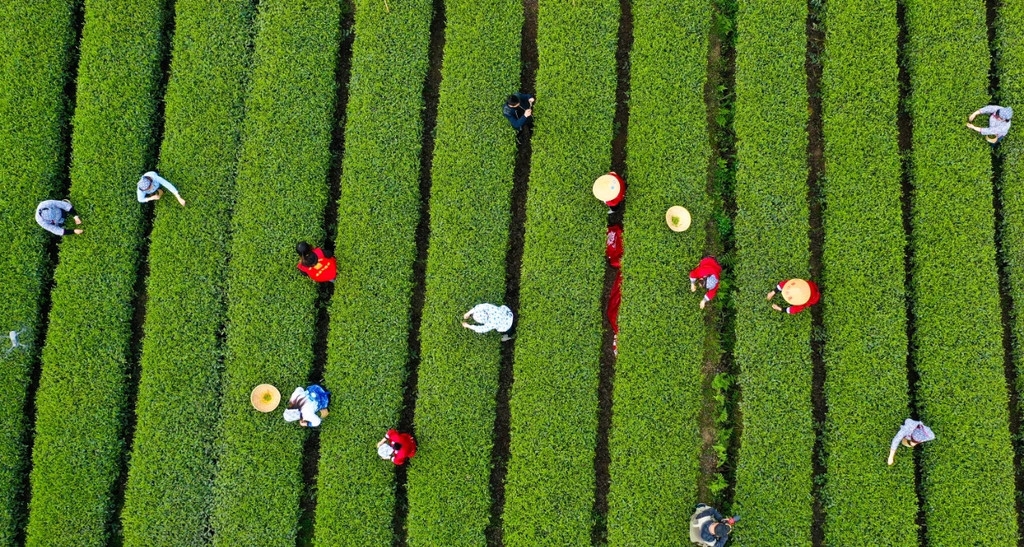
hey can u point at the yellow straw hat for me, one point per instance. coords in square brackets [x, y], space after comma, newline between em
[606, 187]
[796, 291]
[265, 397]
[678, 218]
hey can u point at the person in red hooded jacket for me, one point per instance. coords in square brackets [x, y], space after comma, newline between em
[710, 271]
[319, 265]
[397, 447]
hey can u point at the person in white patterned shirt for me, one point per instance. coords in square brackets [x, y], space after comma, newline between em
[490, 317]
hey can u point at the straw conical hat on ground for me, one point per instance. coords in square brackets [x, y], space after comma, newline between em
[606, 187]
[678, 218]
[796, 291]
[265, 397]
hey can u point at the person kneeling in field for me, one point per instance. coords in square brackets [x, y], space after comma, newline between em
[318, 264]
[998, 122]
[491, 317]
[800, 294]
[304, 404]
[150, 188]
[51, 214]
[710, 272]
[397, 447]
[709, 528]
[910, 435]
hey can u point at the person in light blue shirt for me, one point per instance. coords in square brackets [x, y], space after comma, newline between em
[52, 213]
[150, 188]
[998, 122]
[911, 434]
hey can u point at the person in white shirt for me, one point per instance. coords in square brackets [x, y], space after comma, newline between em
[490, 317]
[911, 434]
[998, 122]
[304, 404]
[150, 188]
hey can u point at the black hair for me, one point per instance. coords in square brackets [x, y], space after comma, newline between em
[303, 248]
[309, 260]
[513, 100]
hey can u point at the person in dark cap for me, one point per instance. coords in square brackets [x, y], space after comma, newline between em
[709, 528]
[518, 110]
[998, 122]
[51, 214]
[151, 188]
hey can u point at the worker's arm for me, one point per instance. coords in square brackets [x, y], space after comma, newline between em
[170, 188]
[477, 328]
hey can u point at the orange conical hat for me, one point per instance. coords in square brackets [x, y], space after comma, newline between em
[678, 218]
[796, 291]
[265, 397]
[606, 187]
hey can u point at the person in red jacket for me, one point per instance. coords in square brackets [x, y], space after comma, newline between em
[319, 265]
[710, 271]
[397, 447]
[610, 189]
[800, 294]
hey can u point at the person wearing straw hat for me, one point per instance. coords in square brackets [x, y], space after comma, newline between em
[800, 294]
[911, 434]
[305, 404]
[51, 214]
[397, 447]
[709, 528]
[998, 122]
[150, 188]
[318, 264]
[709, 271]
[610, 189]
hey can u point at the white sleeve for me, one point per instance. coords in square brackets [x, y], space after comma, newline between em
[990, 109]
[167, 184]
[309, 414]
[476, 308]
[906, 429]
[480, 328]
[297, 394]
[141, 197]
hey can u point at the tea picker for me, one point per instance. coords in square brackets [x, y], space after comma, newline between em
[709, 528]
[800, 294]
[15, 336]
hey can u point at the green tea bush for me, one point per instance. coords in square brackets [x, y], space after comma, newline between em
[550, 484]
[368, 343]
[79, 440]
[867, 502]
[35, 60]
[968, 476]
[168, 497]
[773, 476]
[281, 194]
[449, 494]
[661, 339]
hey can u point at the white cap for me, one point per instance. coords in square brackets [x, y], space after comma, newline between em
[385, 451]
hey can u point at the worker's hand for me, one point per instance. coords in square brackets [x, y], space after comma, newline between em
[693, 287]
[972, 116]
[770, 295]
[528, 113]
[465, 324]
[703, 303]
[776, 307]
[892, 460]
[324, 413]
[531, 101]
[465, 315]
[382, 441]
[79, 231]
[77, 220]
[181, 201]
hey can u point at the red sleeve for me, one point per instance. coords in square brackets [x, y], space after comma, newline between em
[815, 294]
[319, 253]
[793, 310]
[393, 436]
[778, 287]
[711, 294]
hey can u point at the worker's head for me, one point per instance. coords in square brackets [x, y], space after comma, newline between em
[385, 451]
[480, 316]
[513, 101]
[145, 183]
[1004, 113]
[51, 215]
[720, 530]
[303, 248]
[308, 257]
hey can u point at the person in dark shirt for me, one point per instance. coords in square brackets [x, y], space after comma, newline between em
[709, 528]
[518, 110]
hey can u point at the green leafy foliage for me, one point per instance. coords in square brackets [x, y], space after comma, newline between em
[967, 482]
[550, 483]
[380, 207]
[281, 194]
[81, 397]
[448, 484]
[169, 497]
[868, 503]
[35, 58]
[661, 339]
[773, 477]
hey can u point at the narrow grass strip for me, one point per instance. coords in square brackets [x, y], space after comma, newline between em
[474, 151]
[281, 193]
[661, 343]
[550, 484]
[169, 495]
[773, 478]
[867, 503]
[379, 210]
[35, 64]
[80, 402]
[968, 470]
